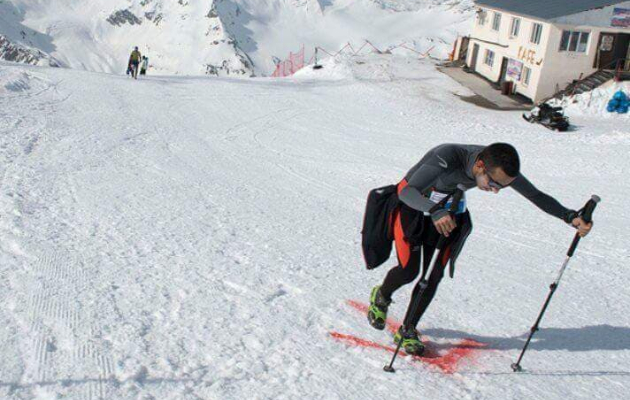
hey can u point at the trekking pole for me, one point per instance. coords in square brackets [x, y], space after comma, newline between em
[423, 283]
[587, 217]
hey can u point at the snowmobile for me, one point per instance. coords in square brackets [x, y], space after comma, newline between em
[548, 116]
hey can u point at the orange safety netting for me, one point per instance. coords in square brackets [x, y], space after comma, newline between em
[291, 65]
[295, 62]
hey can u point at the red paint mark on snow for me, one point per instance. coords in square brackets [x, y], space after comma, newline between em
[447, 362]
[353, 340]
[463, 350]
[447, 357]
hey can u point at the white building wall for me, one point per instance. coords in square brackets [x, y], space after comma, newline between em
[550, 68]
[564, 66]
[518, 48]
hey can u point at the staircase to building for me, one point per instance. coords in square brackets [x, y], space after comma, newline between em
[618, 71]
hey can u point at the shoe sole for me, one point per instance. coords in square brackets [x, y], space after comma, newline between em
[376, 324]
[418, 353]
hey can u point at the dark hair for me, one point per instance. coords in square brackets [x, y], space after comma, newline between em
[501, 155]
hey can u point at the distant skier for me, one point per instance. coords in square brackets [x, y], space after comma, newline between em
[144, 65]
[134, 61]
[418, 216]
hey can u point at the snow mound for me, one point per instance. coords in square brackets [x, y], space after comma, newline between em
[331, 69]
[594, 103]
[14, 80]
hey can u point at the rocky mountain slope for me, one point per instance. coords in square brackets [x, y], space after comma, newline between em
[218, 37]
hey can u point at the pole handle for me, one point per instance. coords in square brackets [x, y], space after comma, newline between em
[587, 216]
[456, 198]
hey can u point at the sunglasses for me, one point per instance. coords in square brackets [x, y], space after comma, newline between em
[494, 184]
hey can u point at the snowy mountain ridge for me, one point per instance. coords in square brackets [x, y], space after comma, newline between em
[218, 37]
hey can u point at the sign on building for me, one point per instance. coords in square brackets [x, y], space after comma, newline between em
[621, 18]
[607, 43]
[514, 69]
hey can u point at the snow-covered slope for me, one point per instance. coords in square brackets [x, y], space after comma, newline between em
[19, 43]
[220, 37]
[198, 238]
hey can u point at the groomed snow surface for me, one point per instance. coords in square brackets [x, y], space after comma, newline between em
[199, 238]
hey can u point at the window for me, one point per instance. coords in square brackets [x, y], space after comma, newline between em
[526, 75]
[582, 45]
[536, 33]
[564, 41]
[575, 37]
[489, 58]
[481, 17]
[516, 27]
[496, 21]
[574, 41]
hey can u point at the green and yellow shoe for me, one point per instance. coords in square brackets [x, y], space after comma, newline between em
[377, 313]
[410, 341]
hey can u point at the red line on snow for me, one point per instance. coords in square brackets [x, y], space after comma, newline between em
[447, 361]
[353, 340]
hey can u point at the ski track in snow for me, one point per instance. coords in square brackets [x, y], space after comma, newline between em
[196, 238]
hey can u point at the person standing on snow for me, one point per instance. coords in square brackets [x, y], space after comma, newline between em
[134, 61]
[419, 217]
[144, 66]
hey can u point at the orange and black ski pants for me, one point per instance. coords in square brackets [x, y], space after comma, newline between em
[409, 257]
